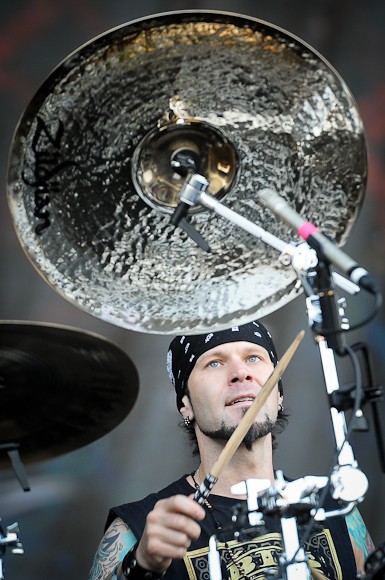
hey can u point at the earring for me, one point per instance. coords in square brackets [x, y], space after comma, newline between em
[281, 408]
[187, 421]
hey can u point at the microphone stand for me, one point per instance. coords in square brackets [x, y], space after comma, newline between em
[349, 484]
[303, 259]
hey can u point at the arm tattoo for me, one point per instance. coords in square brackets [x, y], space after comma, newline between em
[359, 535]
[116, 542]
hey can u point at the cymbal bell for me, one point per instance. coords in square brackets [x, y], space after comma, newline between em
[93, 169]
[60, 388]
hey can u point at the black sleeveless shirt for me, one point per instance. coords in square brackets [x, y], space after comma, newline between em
[329, 549]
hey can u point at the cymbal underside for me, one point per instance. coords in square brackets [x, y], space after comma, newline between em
[60, 388]
[91, 184]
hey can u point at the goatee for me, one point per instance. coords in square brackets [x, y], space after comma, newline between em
[256, 431]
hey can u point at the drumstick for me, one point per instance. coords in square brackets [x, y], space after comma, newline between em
[237, 437]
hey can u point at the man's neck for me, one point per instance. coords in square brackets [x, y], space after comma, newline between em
[244, 464]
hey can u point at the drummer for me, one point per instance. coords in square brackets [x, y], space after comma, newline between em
[166, 535]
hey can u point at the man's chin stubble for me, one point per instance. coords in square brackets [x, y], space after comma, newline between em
[257, 431]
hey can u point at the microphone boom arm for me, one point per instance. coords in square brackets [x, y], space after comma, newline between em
[193, 194]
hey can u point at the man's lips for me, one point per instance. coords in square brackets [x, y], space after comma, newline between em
[241, 400]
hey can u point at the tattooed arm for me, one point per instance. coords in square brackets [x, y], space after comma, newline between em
[170, 528]
[115, 544]
[360, 538]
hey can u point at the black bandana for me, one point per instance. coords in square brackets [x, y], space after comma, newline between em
[184, 351]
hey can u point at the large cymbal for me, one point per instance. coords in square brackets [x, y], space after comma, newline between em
[91, 184]
[61, 388]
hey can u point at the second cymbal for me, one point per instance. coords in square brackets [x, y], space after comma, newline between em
[60, 388]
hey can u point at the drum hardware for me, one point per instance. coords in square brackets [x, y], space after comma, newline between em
[9, 538]
[251, 488]
[324, 314]
[327, 317]
[294, 503]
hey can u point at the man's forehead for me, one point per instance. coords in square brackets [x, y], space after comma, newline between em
[236, 346]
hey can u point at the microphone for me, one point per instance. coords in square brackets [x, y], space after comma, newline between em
[319, 242]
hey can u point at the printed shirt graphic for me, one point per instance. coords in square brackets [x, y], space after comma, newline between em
[252, 558]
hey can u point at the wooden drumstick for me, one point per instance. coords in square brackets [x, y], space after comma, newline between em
[237, 437]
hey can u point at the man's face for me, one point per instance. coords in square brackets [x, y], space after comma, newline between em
[224, 383]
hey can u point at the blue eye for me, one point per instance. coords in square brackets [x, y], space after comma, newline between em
[253, 358]
[213, 364]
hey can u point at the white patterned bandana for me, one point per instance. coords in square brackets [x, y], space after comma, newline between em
[184, 351]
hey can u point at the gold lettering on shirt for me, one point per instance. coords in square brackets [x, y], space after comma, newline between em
[252, 558]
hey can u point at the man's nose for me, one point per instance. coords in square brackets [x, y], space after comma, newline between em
[240, 373]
